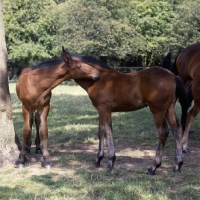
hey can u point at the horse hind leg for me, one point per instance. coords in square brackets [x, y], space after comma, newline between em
[177, 132]
[195, 91]
[162, 133]
[38, 149]
[190, 118]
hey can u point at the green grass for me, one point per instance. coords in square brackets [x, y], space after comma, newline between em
[73, 143]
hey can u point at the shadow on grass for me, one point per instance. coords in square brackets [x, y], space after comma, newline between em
[15, 193]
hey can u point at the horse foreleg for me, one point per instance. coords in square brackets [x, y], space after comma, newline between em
[28, 141]
[111, 150]
[44, 135]
[38, 149]
[105, 130]
[162, 133]
[26, 137]
[100, 154]
[177, 132]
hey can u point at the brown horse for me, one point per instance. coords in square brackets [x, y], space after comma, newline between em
[187, 66]
[34, 91]
[114, 92]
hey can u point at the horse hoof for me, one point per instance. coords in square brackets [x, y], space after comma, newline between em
[186, 151]
[109, 168]
[38, 151]
[47, 166]
[96, 164]
[21, 165]
[151, 171]
[176, 170]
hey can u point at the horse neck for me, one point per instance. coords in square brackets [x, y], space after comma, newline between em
[54, 78]
[84, 83]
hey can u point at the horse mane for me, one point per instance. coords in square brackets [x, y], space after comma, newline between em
[47, 63]
[92, 61]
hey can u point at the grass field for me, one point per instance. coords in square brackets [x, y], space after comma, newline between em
[73, 144]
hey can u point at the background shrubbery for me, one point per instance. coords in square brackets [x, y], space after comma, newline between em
[120, 32]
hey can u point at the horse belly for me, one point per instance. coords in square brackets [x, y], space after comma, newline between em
[128, 105]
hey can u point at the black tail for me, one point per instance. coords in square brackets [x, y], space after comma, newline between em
[166, 61]
[173, 68]
[183, 100]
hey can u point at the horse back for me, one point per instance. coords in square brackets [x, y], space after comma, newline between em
[188, 62]
[132, 91]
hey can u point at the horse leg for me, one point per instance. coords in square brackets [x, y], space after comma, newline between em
[162, 133]
[190, 118]
[100, 154]
[195, 91]
[177, 132]
[111, 149]
[38, 149]
[26, 136]
[29, 142]
[44, 134]
[105, 129]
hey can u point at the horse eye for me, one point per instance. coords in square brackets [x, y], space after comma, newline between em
[79, 66]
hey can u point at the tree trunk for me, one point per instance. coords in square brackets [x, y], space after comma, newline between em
[8, 149]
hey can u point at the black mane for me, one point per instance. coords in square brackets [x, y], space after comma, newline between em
[47, 63]
[92, 61]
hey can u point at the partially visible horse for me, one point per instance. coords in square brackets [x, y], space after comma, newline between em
[114, 92]
[187, 67]
[34, 91]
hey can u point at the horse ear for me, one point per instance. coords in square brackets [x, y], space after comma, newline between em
[66, 56]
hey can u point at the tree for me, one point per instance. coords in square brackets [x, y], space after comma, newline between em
[8, 148]
[186, 26]
[100, 28]
[30, 30]
[153, 20]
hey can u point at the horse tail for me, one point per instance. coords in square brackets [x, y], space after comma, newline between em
[167, 64]
[183, 100]
[166, 61]
[173, 67]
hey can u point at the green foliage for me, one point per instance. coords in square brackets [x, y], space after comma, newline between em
[186, 24]
[30, 30]
[153, 20]
[120, 32]
[93, 30]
